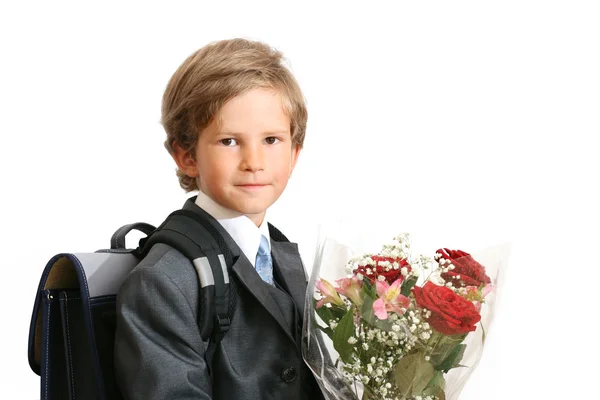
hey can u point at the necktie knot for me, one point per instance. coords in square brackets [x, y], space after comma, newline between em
[264, 264]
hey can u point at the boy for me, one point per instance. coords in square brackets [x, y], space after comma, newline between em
[235, 120]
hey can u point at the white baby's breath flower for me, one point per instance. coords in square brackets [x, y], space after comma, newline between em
[351, 340]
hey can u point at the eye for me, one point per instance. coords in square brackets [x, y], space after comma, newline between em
[271, 140]
[228, 142]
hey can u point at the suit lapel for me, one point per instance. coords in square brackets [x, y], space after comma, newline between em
[290, 271]
[259, 289]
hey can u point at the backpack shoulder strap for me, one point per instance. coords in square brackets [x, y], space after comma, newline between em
[198, 240]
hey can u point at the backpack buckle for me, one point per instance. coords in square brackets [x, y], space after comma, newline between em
[223, 323]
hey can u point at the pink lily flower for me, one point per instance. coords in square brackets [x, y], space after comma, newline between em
[329, 293]
[350, 287]
[390, 299]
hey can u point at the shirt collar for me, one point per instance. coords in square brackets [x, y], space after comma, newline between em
[241, 228]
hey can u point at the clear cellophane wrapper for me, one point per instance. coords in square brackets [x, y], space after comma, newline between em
[393, 324]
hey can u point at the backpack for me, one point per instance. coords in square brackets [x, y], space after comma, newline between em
[71, 336]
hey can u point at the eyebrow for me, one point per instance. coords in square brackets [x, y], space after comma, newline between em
[232, 133]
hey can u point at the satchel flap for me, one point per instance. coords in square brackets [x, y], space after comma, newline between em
[94, 274]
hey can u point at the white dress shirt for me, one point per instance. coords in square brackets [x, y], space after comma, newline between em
[244, 232]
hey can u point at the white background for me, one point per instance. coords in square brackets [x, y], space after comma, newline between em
[466, 122]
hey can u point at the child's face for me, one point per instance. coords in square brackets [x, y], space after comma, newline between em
[244, 162]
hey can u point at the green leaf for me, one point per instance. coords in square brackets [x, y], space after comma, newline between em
[342, 333]
[453, 358]
[338, 312]
[366, 311]
[436, 386]
[412, 374]
[408, 284]
[325, 314]
[368, 289]
[327, 330]
[455, 339]
[437, 382]
[443, 347]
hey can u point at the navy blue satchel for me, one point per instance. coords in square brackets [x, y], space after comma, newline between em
[71, 337]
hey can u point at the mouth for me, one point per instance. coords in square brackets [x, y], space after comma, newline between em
[252, 185]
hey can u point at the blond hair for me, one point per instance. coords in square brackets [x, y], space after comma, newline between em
[215, 74]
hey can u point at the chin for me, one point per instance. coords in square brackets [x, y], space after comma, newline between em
[252, 209]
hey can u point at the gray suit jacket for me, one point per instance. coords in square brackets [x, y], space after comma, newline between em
[159, 353]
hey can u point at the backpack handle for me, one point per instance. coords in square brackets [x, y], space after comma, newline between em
[117, 241]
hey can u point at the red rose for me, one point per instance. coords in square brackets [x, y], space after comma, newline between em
[387, 271]
[471, 273]
[450, 313]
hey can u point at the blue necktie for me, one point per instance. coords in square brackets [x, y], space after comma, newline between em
[264, 265]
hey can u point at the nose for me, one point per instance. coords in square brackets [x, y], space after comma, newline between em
[253, 159]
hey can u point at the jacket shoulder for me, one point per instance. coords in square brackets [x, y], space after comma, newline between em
[167, 262]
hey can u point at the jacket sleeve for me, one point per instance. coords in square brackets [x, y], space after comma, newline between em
[159, 353]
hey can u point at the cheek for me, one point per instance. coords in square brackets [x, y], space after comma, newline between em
[211, 176]
[217, 164]
[283, 176]
[282, 165]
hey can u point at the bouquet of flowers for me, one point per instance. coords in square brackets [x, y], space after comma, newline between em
[403, 326]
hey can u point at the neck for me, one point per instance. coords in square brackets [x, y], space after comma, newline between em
[256, 218]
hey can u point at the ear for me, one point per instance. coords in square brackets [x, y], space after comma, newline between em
[295, 154]
[184, 161]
